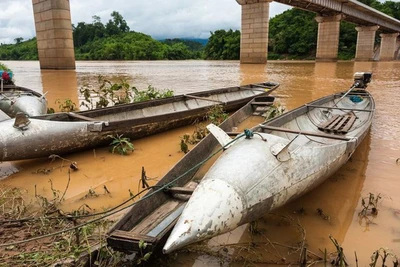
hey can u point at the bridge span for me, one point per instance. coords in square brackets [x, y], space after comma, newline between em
[255, 16]
[56, 48]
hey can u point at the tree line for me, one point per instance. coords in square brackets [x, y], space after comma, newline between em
[292, 35]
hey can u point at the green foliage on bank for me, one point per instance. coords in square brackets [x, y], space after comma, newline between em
[20, 51]
[115, 41]
[391, 8]
[223, 45]
[292, 35]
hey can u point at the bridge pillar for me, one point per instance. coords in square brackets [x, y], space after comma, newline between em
[254, 31]
[388, 46]
[365, 43]
[54, 34]
[328, 37]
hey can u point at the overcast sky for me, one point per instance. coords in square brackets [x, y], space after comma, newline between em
[158, 18]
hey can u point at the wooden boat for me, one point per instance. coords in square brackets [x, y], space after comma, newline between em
[60, 133]
[14, 99]
[154, 215]
[278, 161]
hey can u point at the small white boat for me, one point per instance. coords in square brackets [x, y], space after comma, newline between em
[277, 162]
[15, 99]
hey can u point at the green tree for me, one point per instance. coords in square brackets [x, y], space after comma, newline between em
[116, 25]
[84, 32]
[223, 45]
[18, 40]
[178, 51]
[293, 33]
[347, 41]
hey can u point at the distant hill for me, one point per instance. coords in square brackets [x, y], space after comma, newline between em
[197, 40]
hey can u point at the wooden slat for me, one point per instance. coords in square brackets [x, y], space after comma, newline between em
[128, 242]
[338, 124]
[343, 120]
[328, 122]
[80, 117]
[133, 236]
[349, 124]
[329, 136]
[156, 217]
[181, 190]
[256, 103]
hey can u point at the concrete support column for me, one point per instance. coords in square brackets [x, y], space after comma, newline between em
[328, 37]
[54, 34]
[254, 32]
[388, 46]
[365, 43]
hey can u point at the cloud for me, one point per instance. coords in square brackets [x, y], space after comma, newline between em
[158, 18]
[16, 20]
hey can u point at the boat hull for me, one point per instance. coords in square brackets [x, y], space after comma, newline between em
[15, 99]
[248, 181]
[63, 133]
[152, 218]
[286, 158]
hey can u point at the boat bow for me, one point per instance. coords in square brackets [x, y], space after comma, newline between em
[248, 180]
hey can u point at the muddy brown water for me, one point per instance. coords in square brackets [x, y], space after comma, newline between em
[372, 168]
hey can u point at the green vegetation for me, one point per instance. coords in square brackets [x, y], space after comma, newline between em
[215, 115]
[4, 67]
[292, 35]
[115, 93]
[121, 145]
[115, 41]
[67, 106]
[273, 111]
[20, 51]
[150, 93]
[223, 45]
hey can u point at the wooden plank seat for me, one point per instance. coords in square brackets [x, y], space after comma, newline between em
[338, 124]
[260, 110]
[262, 104]
[259, 103]
[129, 241]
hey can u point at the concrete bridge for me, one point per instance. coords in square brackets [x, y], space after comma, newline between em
[56, 48]
[255, 16]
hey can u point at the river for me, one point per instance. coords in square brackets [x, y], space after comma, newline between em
[372, 169]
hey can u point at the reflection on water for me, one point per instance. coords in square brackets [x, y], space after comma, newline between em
[372, 169]
[66, 84]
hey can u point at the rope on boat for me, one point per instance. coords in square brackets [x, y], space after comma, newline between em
[249, 134]
[115, 210]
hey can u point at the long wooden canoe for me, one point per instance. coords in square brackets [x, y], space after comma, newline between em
[60, 133]
[14, 99]
[279, 161]
[152, 218]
